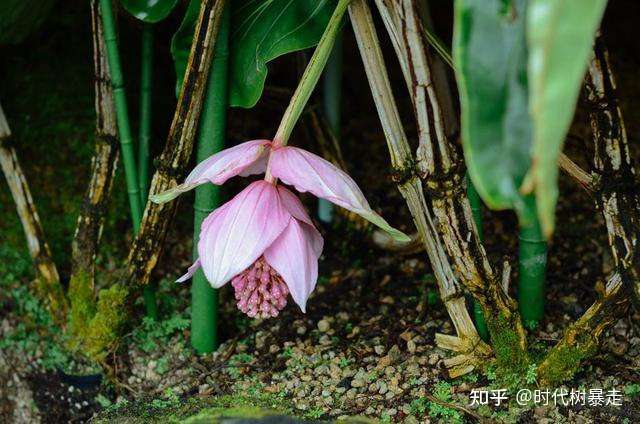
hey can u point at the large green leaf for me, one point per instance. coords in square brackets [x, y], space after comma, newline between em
[261, 31]
[150, 11]
[18, 18]
[560, 36]
[490, 57]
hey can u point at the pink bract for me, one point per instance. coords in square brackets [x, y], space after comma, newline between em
[258, 225]
[263, 237]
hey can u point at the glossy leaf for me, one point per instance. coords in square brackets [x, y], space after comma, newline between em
[261, 31]
[560, 37]
[490, 57]
[19, 18]
[149, 11]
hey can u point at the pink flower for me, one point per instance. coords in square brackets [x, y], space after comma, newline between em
[263, 240]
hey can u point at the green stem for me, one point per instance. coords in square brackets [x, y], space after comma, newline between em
[204, 299]
[146, 76]
[122, 114]
[144, 138]
[124, 129]
[311, 75]
[332, 97]
[532, 268]
[476, 211]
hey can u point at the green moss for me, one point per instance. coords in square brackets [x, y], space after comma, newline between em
[563, 363]
[512, 361]
[83, 307]
[170, 409]
[103, 331]
[194, 410]
[209, 415]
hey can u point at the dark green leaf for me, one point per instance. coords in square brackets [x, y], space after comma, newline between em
[150, 11]
[490, 58]
[560, 36]
[181, 41]
[261, 31]
[264, 30]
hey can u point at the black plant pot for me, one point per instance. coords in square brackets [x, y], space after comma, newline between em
[82, 382]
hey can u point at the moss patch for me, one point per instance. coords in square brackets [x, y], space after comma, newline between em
[173, 410]
[83, 307]
[246, 412]
[563, 363]
[103, 330]
[170, 409]
[512, 360]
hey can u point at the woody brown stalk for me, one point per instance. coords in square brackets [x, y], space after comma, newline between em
[440, 167]
[616, 197]
[114, 304]
[472, 350]
[172, 163]
[49, 287]
[104, 162]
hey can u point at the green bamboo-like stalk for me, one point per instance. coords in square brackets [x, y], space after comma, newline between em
[532, 267]
[476, 211]
[124, 131]
[332, 101]
[122, 113]
[146, 82]
[204, 299]
[144, 137]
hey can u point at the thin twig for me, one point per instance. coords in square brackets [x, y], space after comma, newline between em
[574, 170]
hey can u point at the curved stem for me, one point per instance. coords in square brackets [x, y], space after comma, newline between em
[309, 80]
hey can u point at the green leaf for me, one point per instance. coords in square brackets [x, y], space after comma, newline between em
[560, 36]
[181, 42]
[489, 52]
[262, 30]
[19, 18]
[149, 11]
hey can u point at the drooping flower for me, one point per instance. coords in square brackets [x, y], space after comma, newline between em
[263, 240]
[259, 239]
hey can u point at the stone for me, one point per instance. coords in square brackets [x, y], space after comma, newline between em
[357, 382]
[394, 354]
[384, 362]
[323, 325]
[382, 387]
[433, 358]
